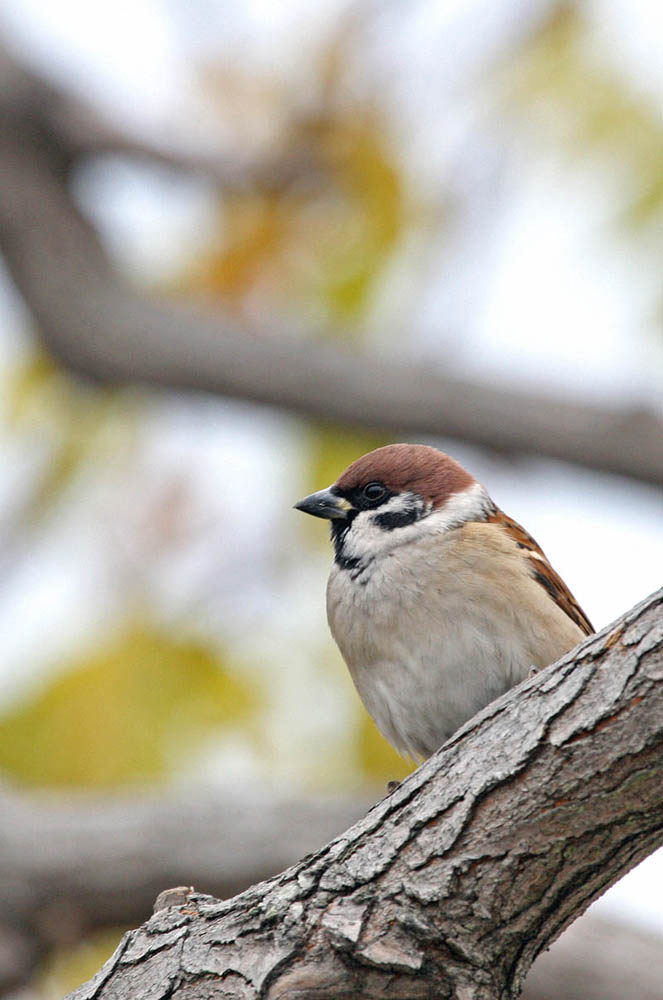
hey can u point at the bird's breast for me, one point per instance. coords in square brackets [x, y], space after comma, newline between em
[418, 670]
[432, 633]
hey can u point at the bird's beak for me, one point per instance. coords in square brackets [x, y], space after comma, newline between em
[324, 503]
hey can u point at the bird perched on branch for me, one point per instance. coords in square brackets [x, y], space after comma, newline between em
[438, 601]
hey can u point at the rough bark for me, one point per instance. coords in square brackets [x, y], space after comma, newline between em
[452, 885]
[61, 884]
[96, 323]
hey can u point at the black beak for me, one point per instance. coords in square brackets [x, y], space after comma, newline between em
[324, 503]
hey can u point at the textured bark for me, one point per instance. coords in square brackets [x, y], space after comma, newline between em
[453, 884]
[98, 325]
[61, 884]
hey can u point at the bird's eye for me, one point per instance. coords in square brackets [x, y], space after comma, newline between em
[374, 491]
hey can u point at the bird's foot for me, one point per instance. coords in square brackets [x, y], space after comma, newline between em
[392, 786]
[533, 671]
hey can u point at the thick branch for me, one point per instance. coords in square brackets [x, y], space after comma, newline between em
[59, 886]
[452, 885]
[99, 326]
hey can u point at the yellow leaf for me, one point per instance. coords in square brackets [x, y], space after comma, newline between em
[320, 245]
[123, 713]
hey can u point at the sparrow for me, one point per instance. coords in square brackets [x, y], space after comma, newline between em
[438, 601]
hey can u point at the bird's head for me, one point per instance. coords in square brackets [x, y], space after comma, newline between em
[395, 495]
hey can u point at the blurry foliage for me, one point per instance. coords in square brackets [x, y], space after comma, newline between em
[319, 246]
[585, 106]
[67, 968]
[130, 711]
[320, 242]
[72, 422]
[376, 758]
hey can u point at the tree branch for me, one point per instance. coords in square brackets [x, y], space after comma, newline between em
[83, 131]
[452, 885]
[101, 327]
[59, 887]
[94, 864]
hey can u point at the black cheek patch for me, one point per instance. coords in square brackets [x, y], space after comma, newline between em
[397, 518]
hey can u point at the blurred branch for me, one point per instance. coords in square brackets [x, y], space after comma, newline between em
[99, 326]
[597, 960]
[75, 863]
[454, 883]
[81, 131]
[72, 864]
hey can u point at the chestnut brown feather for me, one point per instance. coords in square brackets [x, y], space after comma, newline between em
[416, 467]
[542, 571]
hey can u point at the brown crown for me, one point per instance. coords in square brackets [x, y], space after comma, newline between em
[426, 471]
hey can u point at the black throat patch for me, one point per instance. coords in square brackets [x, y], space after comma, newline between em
[339, 530]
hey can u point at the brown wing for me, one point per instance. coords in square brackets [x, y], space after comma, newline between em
[543, 572]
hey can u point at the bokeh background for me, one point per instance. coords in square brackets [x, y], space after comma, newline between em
[476, 187]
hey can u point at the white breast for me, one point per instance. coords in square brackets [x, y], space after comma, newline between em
[434, 630]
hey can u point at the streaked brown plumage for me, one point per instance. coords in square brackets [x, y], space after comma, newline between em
[543, 571]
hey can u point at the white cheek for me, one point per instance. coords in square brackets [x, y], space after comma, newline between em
[469, 505]
[364, 537]
[367, 539]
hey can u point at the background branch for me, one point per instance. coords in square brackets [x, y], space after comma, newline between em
[452, 885]
[596, 960]
[227, 841]
[83, 131]
[98, 325]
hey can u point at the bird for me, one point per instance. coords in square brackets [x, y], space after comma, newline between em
[438, 601]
